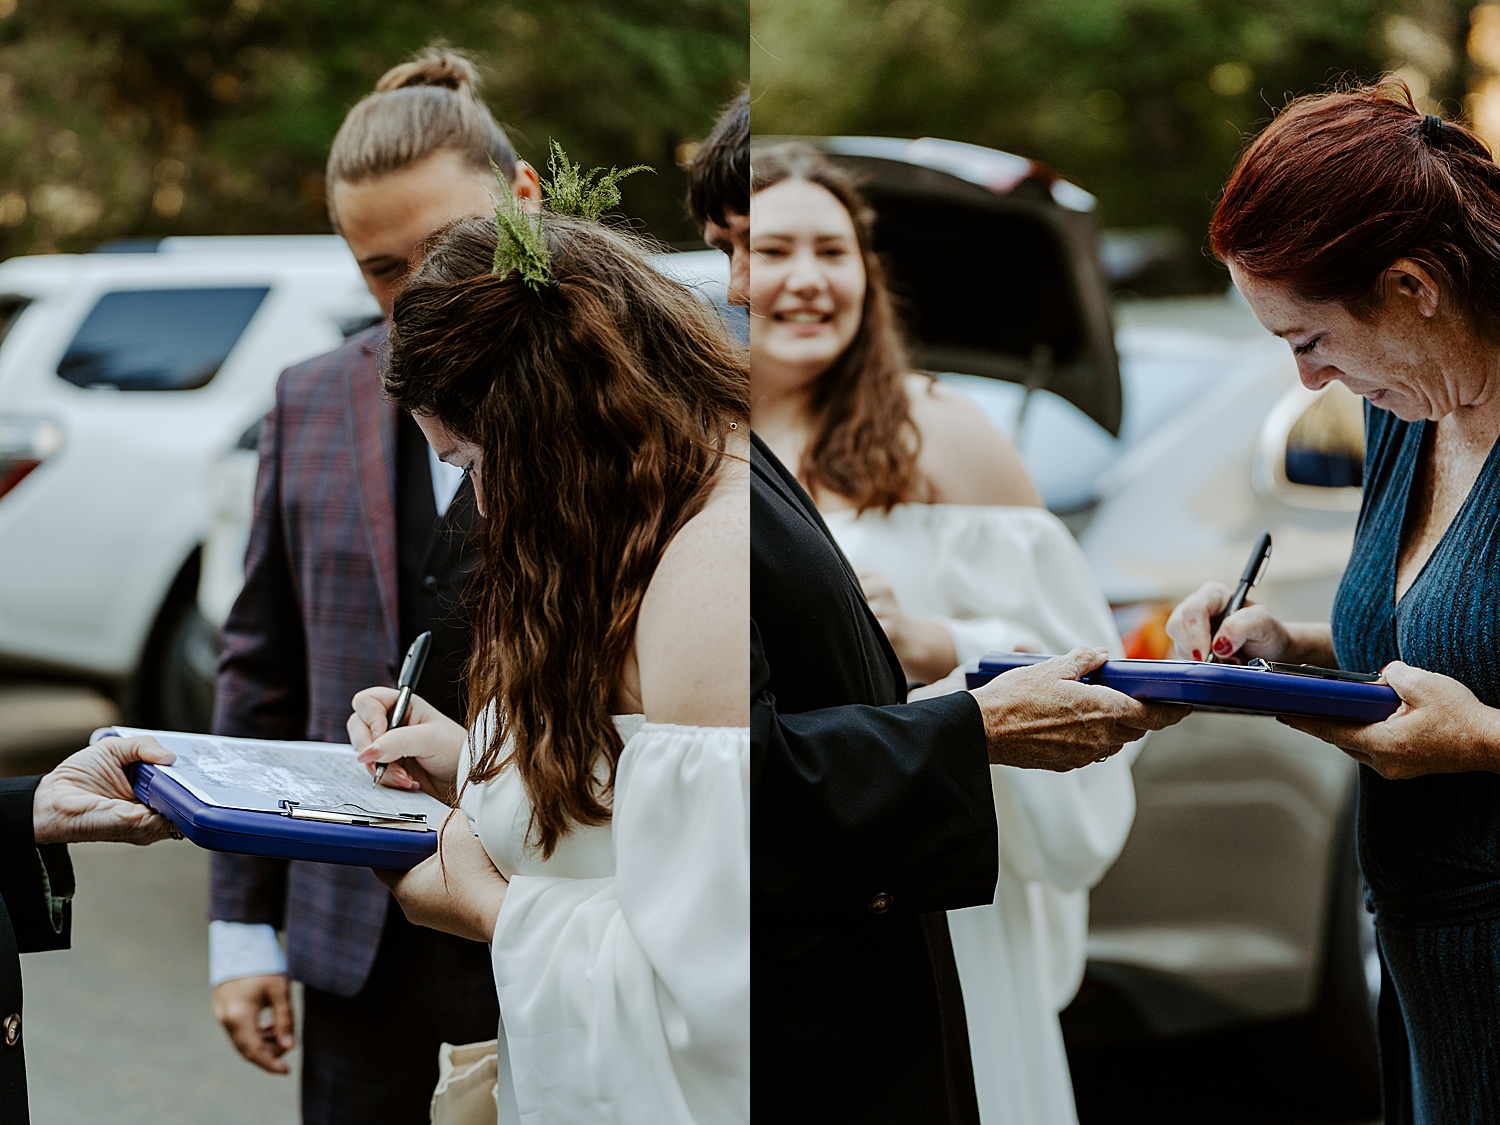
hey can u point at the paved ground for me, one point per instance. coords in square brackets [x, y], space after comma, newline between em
[118, 1028]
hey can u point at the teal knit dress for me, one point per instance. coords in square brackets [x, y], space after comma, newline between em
[1429, 847]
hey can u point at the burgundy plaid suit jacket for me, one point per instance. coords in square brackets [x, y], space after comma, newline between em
[315, 623]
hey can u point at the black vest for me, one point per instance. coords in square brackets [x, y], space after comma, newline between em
[436, 560]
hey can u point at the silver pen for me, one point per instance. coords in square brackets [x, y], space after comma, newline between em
[411, 672]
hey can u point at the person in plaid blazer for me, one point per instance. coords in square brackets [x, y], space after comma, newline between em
[358, 542]
[317, 621]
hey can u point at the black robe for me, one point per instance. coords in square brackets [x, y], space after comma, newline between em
[26, 926]
[869, 818]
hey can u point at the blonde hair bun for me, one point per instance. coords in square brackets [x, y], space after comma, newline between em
[427, 105]
[436, 66]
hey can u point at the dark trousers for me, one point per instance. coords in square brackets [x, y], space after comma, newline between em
[371, 1059]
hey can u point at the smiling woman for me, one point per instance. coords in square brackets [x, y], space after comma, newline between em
[827, 392]
[809, 282]
[1420, 356]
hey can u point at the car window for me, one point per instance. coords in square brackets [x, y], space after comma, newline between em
[10, 308]
[1064, 450]
[158, 339]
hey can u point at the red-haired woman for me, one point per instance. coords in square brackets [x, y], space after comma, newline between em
[957, 557]
[1367, 235]
[600, 410]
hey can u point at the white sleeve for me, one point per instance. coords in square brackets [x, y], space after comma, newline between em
[1064, 830]
[242, 949]
[1017, 574]
[633, 991]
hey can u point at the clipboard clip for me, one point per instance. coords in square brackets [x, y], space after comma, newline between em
[1313, 670]
[361, 817]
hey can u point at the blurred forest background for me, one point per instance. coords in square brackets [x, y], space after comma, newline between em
[143, 118]
[1145, 103]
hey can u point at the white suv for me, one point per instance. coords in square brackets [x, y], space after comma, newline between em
[132, 388]
[125, 378]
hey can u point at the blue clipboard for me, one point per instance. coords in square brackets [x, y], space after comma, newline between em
[1252, 689]
[353, 842]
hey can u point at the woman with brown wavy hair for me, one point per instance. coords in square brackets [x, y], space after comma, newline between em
[599, 408]
[957, 557]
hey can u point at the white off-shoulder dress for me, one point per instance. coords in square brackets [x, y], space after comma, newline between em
[622, 961]
[999, 578]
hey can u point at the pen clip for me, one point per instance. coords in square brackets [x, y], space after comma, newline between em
[1260, 555]
[415, 661]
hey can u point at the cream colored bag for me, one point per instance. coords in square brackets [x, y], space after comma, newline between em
[467, 1090]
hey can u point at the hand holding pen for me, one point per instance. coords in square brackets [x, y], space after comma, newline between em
[1255, 567]
[1215, 620]
[411, 672]
[425, 749]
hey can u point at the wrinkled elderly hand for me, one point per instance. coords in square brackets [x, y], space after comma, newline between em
[460, 895]
[1041, 717]
[1440, 727]
[88, 796]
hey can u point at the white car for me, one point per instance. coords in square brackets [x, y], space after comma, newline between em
[132, 387]
[124, 378]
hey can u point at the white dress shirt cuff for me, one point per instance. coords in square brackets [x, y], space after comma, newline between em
[242, 949]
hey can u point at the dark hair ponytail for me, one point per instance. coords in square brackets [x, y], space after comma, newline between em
[1342, 184]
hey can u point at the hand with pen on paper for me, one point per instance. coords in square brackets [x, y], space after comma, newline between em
[458, 891]
[420, 754]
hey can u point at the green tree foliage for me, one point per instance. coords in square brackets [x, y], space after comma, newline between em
[137, 118]
[1143, 102]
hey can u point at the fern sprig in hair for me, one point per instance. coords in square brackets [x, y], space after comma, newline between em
[586, 195]
[520, 244]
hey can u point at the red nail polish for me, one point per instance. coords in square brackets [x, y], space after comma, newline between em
[1223, 647]
[1197, 655]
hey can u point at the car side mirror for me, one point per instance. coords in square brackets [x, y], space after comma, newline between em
[1311, 451]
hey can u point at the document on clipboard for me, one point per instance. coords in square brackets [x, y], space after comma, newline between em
[290, 800]
[1257, 688]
